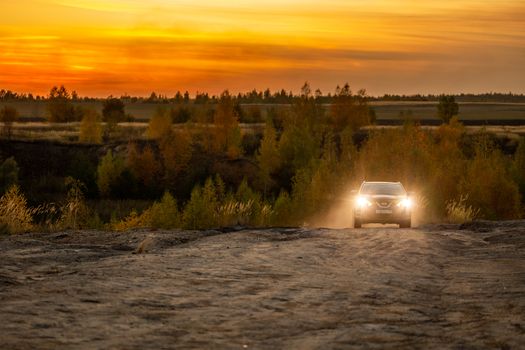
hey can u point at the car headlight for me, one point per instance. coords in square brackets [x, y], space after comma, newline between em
[363, 202]
[405, 203]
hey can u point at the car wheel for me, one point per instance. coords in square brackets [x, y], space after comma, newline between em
[405, 224]
[357, 223]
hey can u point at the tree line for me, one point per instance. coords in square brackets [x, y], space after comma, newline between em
[255, 96]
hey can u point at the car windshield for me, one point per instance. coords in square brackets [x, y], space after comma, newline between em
[390, 189]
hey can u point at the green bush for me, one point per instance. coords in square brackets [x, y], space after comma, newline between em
[245, 208]
[164, 214]
[201, 211]
[282, 211]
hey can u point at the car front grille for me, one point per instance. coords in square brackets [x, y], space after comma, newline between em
[384, 204]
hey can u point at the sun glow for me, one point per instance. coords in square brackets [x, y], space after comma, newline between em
[401, 46]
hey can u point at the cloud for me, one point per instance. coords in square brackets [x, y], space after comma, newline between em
[125, 45]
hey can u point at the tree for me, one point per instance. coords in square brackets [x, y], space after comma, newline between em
[143, 165]
[59, 106]
[181, 114]
[8, 115]
[447, 108]
[159, 125]
[113, 111]
[90, 127]
[349, 110]
[227, 134]
[268, 155]
[176, 153]
[109, 171]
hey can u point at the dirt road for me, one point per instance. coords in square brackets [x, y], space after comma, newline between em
[433, 287]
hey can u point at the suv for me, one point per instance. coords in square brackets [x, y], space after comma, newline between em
[382, 202]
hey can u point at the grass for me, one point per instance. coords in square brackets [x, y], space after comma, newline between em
[384, 109]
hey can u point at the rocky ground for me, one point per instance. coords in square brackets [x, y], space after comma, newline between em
[433, 287]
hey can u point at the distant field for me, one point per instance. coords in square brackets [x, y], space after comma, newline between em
[384, 109]
[467, 110]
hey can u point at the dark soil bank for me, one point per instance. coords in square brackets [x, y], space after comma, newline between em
[435, 287]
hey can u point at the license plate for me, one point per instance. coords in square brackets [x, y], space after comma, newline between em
[383, 211]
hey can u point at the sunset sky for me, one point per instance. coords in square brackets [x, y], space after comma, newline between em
[103, 47]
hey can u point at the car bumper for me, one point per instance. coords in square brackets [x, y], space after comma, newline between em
[382, 216]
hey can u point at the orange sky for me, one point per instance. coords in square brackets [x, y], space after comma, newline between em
[102, 47]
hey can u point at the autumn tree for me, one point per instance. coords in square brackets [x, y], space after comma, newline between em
[144, 166]
[109, 172]
[268, 156]
[349, 110]
[447, 108]
[227, 134]
[176, 153]
[300, 142]
[8, 115]
[60, 108]
[113, 111]
[180, 114]
[159, 125]
[90, 127]
[306, 111]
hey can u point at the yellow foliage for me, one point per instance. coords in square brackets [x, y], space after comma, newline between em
[144, 165]
[90, 127]
[15, 216]
[159, 125]
[176, 152]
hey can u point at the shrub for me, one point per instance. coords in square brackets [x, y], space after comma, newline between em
[133, 220]
[164, 214]
[458, 211]
[489, 184]
[74, 210]
[202, 209]
[282, 210]
[15, 215]
[245, 207]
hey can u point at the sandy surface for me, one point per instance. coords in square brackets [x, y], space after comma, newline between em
[433, 287]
